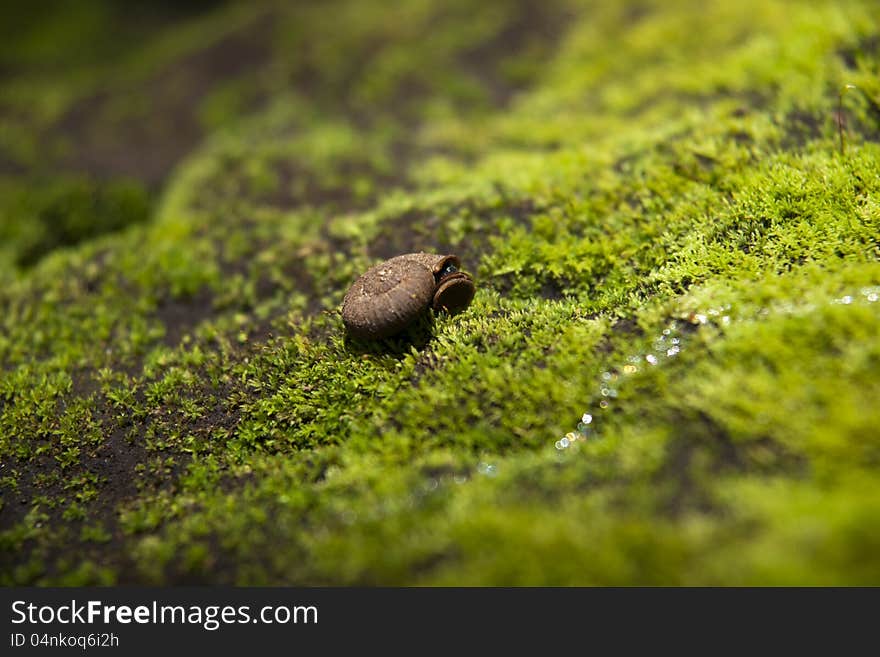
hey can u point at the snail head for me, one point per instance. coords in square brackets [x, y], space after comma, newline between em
[455, 289]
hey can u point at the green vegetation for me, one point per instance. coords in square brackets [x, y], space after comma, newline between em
[669, 372]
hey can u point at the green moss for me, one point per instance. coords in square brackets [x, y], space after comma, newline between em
[667, 375]
[47, 215]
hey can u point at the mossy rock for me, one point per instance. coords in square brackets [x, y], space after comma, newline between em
[669, 372]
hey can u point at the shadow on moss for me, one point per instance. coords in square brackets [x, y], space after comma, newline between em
[416, 336]
[70, 211]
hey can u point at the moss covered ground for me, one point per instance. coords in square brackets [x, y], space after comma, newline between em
[670, 372]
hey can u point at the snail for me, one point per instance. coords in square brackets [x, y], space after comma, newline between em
[392, 294]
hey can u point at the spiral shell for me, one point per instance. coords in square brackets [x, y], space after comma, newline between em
[391, 295]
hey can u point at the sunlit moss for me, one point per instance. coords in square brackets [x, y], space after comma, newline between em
[665, 232]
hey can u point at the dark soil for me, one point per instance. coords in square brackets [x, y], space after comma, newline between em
[163, 123]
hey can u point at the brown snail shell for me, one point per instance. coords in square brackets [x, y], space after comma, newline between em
[392, 294]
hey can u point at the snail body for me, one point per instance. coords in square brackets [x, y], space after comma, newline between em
[391, 295]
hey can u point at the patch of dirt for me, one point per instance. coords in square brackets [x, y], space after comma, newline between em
[550, 288]
[867, 126]
[9, 167]
[867, 47]
[113, 463]
[635, 12]
[299, 187]
[802, 127]
[705, 448]
[117, 466]
[628, 327]
[181, 315]
[165, 127]
[741, 138]
[84, 383]
[534, 26]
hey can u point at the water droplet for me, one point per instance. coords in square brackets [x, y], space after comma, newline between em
[672, 351]
[725, 320]
[606, 376]
[564, 443]
[872, 297]
[583, 429]
[559, 444]
[604, 391]
[651, 358]
[586, 418]
[603, 404]
[666, 332]
[632, 369]
[846, 300]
